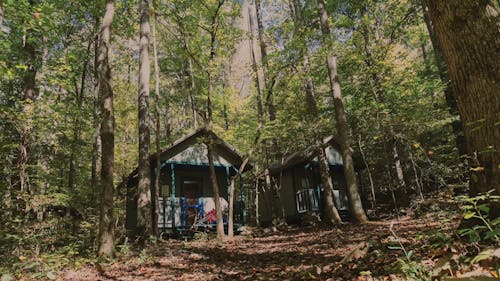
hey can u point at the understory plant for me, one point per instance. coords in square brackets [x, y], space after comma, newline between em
[484, 226]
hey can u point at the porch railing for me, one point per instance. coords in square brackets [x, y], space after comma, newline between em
[307, 200]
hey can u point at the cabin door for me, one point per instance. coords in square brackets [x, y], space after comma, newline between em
[192, 193]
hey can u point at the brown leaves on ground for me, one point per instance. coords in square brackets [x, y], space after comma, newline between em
[346, 252]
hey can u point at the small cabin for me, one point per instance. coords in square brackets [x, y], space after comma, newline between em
[299, 182]
[185, 194]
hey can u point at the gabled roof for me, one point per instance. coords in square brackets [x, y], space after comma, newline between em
[221, 148]
[307, 154]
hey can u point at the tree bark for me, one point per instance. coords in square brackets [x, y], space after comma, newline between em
[106, 226]
[209, 119]
[370, 178]
[457, 125]
[96, 145]
[342, 125]
[332, 213]
[399, 168]
[144, 212]
[156, 186]
[468, 34]
[215, 187]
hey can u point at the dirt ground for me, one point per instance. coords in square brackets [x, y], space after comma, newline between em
[290, 254]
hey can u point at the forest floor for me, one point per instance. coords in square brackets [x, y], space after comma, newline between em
[395, 249]
[422, 245]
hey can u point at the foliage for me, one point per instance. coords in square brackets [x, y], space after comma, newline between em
[486, 227]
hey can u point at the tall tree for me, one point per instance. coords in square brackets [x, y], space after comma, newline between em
[144, 214]
[468, 35]
[458, 129]
[106, 223]
[342, 124]
[156, 185]
[267, 89]
[332, 214]
[213, 30]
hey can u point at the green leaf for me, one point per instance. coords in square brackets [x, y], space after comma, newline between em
[468, 215]
[484, 208]
[482, 256]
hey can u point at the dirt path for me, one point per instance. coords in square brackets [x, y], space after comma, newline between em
[295, 254]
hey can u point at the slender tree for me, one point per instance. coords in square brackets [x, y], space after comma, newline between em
[144, 212]
[332, 214]
[106, 223]
[267, 89]
[214, 28]
[342, 124]
[468, 34]
[155, 191]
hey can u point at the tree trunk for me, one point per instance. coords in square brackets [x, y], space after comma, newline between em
[372, 186]
[417, 180]
[144, 212]
[332, 214]
[106, 226]
[156, 187]
[230, 219]
[457, 125]
[467, 32]
[215, 187]
[209, 120]
[96, 145]
[397, 165]
[342, 125]
[192, 92]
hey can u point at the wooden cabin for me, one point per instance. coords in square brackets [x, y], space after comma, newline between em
[185, 192]
[298, 180]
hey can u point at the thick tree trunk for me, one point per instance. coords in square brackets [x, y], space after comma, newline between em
[342, 125]
[106, 226]
[144, 212]
[457, 125]
[468, 34]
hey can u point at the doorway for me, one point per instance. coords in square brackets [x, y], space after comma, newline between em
[191, 192]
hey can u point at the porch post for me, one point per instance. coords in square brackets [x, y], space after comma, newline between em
[172, 197]
[228, 187]
[164, 199]
[243, 205]
[228, 183]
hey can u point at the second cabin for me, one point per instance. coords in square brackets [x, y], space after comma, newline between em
[186, 199]
[298, 182]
